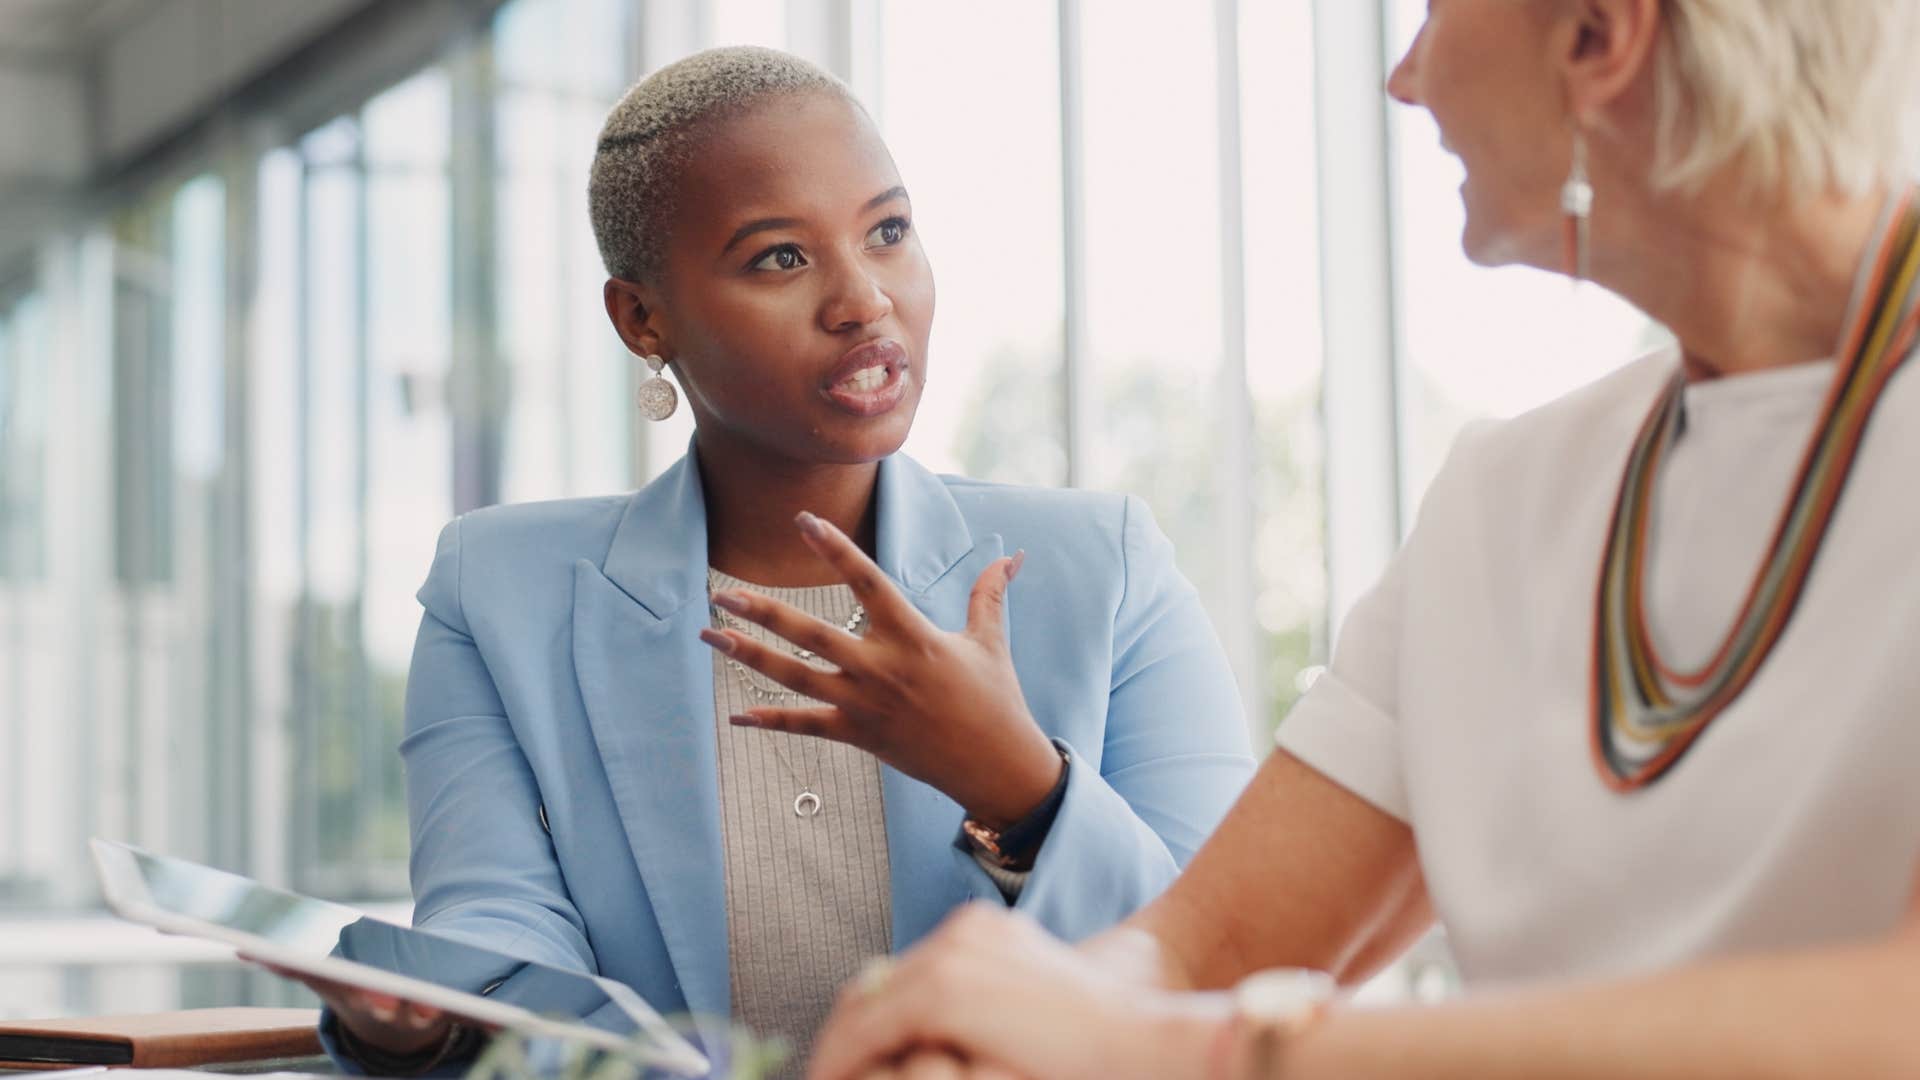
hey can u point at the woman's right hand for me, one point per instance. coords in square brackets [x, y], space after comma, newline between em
[382, 1022]
[992, 992]
[942, 707]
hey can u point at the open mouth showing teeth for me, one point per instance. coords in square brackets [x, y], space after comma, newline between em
[866, 379]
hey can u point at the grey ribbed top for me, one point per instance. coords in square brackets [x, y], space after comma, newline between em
[808, 899]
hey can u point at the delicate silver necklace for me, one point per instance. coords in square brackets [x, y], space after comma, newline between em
[808, 803]
[758, 686]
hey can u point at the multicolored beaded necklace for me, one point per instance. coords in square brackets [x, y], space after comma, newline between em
[1646, 716]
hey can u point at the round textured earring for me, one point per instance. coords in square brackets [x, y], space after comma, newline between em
[1576, 202]
[656, 397]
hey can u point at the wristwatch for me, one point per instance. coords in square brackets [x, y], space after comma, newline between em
[1015, 847]
[1271, 1009]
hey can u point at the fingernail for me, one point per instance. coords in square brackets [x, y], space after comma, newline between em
[418, 1022]
[810, 525]
[731, 601]
[1019, 560]
[717, 639]
[743, 720]
[383, 1011]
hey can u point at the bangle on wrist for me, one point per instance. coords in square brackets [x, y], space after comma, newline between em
[1271, 1010]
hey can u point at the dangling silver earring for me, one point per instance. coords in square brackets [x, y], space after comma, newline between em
[1576, 203]
[656, 397]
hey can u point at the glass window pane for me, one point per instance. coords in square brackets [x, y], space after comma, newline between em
[199, 327]
[274, 408]
[142, 397]
[13, 519]
[409, 124]
[569, 410]
[1153, 283]
[993, 406]
[1284, 348]
[574, 45]
[409, 482]
[333, 383]
[181, 724]
[32, 791]
[24, 363]
[600, 406]
[748, 22]
[275, 466]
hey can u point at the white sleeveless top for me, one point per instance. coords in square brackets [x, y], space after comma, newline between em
[1458, 696]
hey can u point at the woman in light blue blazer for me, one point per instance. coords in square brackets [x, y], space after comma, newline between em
[568, 778]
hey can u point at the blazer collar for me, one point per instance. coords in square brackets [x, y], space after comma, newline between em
[646, 682]
[659, 551]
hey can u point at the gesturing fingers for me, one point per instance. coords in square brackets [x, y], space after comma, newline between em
[822, 723]
[838, 646]
[885, 606]
[987, 606]
[789, 671]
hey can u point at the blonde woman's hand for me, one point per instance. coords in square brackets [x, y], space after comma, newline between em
[992, 992]
[938, 1065]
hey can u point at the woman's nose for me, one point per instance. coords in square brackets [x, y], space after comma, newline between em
[1401, 81]
[856, 300]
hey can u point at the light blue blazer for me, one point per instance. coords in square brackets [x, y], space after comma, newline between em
[560, 737]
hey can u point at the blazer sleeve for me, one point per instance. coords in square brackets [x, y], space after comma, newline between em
[483, 866]
[1175, 753]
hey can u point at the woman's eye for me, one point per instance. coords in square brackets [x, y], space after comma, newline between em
[888, 232]
[784, 257]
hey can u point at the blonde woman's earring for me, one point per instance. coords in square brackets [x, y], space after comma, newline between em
[656, 397]
[1576, 203]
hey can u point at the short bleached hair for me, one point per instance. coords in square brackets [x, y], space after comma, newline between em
[652, 133]
[1797, 97]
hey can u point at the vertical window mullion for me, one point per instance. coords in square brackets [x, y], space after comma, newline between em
[1076, 375]
[1235, 475]
[479, 391]
[366, 734]
[235, 734]
[304, 694]
[1358, 300]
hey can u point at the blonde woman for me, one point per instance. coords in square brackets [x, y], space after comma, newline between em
[1635, 713]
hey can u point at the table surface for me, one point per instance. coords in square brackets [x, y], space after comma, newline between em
[319, 1065]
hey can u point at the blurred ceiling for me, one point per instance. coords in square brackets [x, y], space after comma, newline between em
[56, 30]
[95, 91]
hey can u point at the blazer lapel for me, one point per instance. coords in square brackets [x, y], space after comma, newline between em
[647, 684]
[924, 545]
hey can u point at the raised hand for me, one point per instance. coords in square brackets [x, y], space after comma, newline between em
[944, 708]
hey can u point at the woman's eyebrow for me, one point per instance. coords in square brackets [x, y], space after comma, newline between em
[760, 225]
[895, 192]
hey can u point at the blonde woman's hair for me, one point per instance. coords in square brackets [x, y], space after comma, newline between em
[1797, 96]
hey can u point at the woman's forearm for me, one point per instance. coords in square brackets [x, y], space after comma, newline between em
[1841, 1012]
[1350, 889]
[1134, 954]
